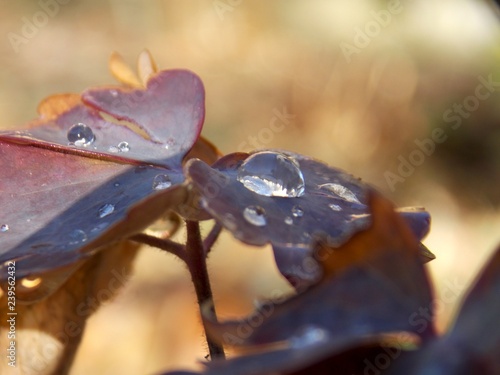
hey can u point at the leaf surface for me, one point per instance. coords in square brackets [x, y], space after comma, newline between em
[333, 204]
[61, 201]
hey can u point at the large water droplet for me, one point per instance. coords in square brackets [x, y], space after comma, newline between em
[308, 336]
[106, 210]
[255, 215]
[272, 174]
[297, 211]
[77, 236]
[81, 135]
[4, 228]
[123, 147]
[161, 181]
[335, 207]
[341, 191]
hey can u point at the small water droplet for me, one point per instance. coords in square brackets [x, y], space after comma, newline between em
[335, 207]
[161, 182]
[106, 210]
[341, 191]
[297, 211]
[308, 336]
[169, 143]
[123, 147]
[114, 93]
[288, 220]
[99, 227]
[116, 184]
[80, 135]
[272, 174]
[229, 222]
[4, 228]
[113, 149]
[77, 236]
[255, 215]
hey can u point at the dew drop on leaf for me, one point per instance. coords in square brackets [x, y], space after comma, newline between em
[4, 228]
[255, 215]
[272, 174]
[113, 149]
[288, 220]
[99, 227]
[297, 211]
[308, 336]
[341, 191]
[77, 236]
[123, 147]
[161, 182]
[80, 135]
[335, 207]
[106, 210]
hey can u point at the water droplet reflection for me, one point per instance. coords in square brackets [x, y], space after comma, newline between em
[255, 215]
[106, 210]
[80, 135]
[341, 191]
[161, 182]
[272, 174]
[308, 336]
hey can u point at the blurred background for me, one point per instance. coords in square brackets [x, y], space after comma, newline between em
[405, 95]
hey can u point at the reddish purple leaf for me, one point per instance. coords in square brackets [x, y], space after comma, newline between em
[473, 344]
[332, 203]
[372, 284]
[347, 359]
[61, 202]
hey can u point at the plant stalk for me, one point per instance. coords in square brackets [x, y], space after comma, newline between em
[197, 265]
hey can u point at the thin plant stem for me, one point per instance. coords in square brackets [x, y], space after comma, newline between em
[196, 261]
[212, 237]
[161, 243]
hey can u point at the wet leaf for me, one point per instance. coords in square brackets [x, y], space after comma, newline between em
[75, 181]
[373, 284]
[352, 359]
[360, 310]
[284, 199]
[472, 346]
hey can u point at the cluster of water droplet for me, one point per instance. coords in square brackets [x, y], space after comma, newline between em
[80, 135]
[271, 174]
[122, 147]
